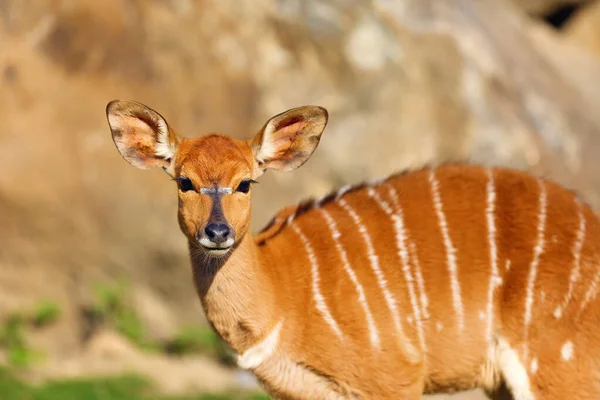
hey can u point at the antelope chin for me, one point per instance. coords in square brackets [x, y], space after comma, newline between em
[216, 251]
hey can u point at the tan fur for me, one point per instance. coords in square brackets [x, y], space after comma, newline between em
[269, 278]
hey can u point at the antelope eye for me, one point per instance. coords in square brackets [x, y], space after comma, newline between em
[185, 184]
[244, 186]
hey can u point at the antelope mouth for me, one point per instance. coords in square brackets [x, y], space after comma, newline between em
[216, 251]
[213, 249]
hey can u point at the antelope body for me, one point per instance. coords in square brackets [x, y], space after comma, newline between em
[437, 280]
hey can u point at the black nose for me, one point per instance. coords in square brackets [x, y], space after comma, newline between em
[217, 233]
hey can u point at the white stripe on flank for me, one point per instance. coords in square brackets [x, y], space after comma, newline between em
[576, 271]
[490, 212]
[335, 233]
[401, 244]
[537, 251]
[373, 258]
[420, 280]
[591, 293]
[391, 301]
[318, 296]
[258, 353]
[450, 251]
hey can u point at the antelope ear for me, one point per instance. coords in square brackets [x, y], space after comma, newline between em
[141, 135]
[287, 140]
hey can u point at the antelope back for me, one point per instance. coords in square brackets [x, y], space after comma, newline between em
[449, 266]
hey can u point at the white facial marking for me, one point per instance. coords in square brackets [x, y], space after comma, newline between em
[495, 279]
[576, 270]
[537, 251]
[317, 295]
[373, 332]
[258, 353]
[566, 351]
[221, 190]
[206, 242]
[482, 315]
[403, 253]
[514, 372]
[534, 366]
[507, 266]
[439, 326]
[450, 251]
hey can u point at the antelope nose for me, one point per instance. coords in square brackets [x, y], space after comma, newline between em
[217, 233]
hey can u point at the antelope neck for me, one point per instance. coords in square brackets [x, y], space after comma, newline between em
[237, 294]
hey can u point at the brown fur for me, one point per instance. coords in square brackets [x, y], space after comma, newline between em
[267, 279]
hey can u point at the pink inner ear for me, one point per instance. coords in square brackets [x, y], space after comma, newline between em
[286, 134]
[137, 142]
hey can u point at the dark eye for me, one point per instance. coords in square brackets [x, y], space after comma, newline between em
[185, 184]
[244, 186]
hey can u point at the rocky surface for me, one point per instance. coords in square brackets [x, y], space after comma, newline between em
[407, 82]
[542, 7]
[584, 28]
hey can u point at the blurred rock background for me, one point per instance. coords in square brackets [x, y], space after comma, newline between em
[407, 82]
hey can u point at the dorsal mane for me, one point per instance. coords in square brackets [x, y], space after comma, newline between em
[287, 215]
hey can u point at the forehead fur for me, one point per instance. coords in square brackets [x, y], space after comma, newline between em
[213, 158]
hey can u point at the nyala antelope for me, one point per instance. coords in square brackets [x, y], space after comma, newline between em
[437, 280]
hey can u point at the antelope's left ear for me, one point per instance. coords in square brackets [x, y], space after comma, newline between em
[287, 140]
[141, 135]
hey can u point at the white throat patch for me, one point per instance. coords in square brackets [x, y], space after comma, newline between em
[258, 353]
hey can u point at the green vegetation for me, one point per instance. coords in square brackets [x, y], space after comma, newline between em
[12, 338]
[111, 307]
[13, 329]
[122, 388]
[195, 339]
[46, 313]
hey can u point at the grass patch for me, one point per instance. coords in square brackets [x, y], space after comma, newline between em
[200, 340]
[12, 338]
[112, 307]
[13, 332]
[46, 313]
[121, 388]
[194, 339]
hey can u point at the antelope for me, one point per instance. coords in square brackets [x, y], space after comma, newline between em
[439, 279]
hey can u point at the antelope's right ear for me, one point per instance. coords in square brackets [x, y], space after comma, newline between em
[288, 139]
[141, 135]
